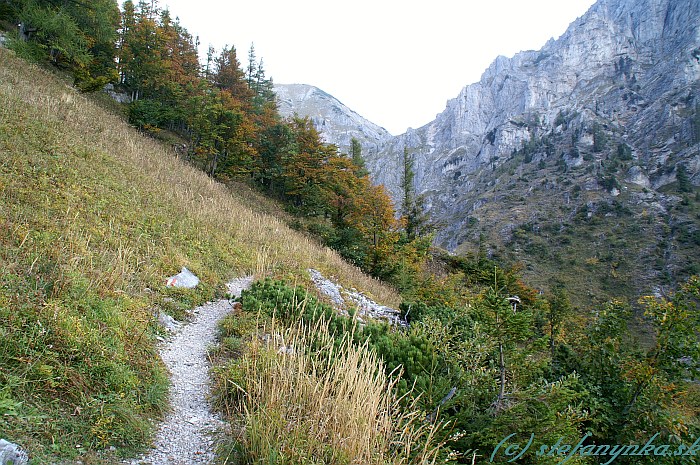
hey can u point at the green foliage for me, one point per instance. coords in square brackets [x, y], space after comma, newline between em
[146, 113]
[73, 35]
[56, 38]
[609, 182]
[356, 157]
[600, 139]
[412, 352]
[624, 152]
[525, 369]
[409, 193]
[684, 184]
[639, 389]
[287, 304]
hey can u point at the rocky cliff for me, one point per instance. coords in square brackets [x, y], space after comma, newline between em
[579, 160]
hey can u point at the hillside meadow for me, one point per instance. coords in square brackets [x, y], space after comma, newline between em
[94, 217]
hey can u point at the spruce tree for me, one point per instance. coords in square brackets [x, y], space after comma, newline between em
[417, 222]
[409, 192]
[357, 160]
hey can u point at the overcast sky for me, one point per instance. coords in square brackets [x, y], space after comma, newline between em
[395, 62]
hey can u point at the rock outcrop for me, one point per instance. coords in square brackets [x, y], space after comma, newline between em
[12, 454]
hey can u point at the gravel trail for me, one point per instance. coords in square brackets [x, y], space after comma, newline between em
[186, 437]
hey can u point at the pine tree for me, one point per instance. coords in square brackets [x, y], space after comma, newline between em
[508, 326]
[357, 160]
[409, 193]
[417, 222]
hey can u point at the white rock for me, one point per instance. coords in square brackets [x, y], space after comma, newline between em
[343, 299]
[185, 279]
[12, 454]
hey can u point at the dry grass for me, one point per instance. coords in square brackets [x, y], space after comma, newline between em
[265, 244]
[307, 399]
[93, 217]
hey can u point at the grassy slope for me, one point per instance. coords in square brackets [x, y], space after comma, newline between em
[93, 218]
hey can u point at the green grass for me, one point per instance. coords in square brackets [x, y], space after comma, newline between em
[93, 218]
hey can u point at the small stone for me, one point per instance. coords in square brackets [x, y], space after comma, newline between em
[12, 454]
[168, 322]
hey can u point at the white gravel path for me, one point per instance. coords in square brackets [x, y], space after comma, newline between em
[186, 437]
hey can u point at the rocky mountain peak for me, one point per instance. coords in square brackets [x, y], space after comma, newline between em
[337, 123]
[578, 138]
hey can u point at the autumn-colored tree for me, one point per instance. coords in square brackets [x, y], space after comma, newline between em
[375, 219]
[178, 52]
[239, 154]
[229, 76]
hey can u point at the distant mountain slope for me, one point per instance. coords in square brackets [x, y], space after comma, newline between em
[337, 123]
[580, 160]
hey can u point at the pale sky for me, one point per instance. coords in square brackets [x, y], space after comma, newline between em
[395, 62]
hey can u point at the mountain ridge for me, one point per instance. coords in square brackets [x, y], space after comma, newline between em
[337, 123]
[597, 122]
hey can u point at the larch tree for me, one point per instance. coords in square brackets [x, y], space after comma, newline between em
[229, 76]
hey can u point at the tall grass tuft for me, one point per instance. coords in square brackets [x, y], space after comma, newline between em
[305, 397]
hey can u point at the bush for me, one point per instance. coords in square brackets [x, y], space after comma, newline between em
[148, 114]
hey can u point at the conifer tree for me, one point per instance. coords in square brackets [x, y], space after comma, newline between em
[141, 46]
[417, 222]
[508, 326]
[558, 310]
[252, 67]
[229, 76]
[72, 35]
[357, 160]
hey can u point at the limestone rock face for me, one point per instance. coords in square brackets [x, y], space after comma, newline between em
[12, 454]
[337, 123]
[567, 159]
[629, 66]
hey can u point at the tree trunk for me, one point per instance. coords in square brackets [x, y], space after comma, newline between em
[551, 340]
[502, 387]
